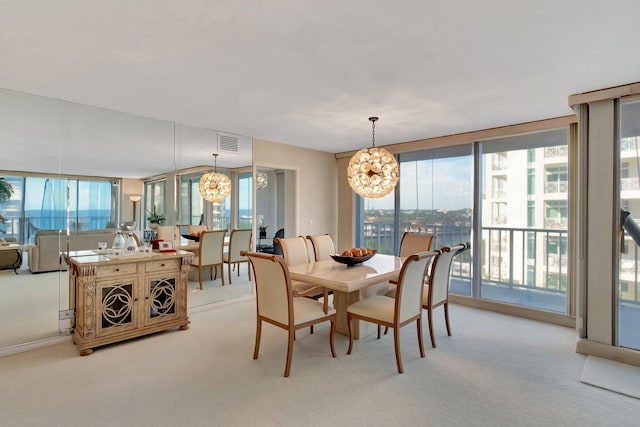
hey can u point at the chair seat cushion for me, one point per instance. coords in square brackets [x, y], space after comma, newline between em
[305, 309]
[376, 307]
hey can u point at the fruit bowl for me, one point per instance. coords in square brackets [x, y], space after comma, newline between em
[352, 260]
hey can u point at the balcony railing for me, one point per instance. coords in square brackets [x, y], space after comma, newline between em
[556, 187]
[629, 184]
[559, 151]
[528, 266]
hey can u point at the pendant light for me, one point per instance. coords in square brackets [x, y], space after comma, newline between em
[373, 172]
[262, 179]
[215, 186]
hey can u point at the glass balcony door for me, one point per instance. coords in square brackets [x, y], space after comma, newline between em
[628, 301]
[523, 234]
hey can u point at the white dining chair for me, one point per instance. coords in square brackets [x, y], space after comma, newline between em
[398, 312]
[277, 305]
[210, 254]
[322, 245]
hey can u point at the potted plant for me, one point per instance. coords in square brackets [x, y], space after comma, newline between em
[155, 219]
[6, 190]
[263, 231]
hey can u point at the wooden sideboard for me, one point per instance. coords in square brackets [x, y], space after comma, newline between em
[126, 296]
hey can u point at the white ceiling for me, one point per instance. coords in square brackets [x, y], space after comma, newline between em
[310, 73]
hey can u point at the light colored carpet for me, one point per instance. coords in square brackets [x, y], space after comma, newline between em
[29, 303]
[610, 375]
[495, 370]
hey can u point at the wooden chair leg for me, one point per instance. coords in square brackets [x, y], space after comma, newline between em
[287, 368]
[221, 273]
[380, 330]
[430, 318]
[396, 341]
[249, 270]
[446, 317]
[331, 334]
[386, 329]
[200, 276]
[350, 333]
[258, 334]
[420, 342]
[234, 266]
[229, 271]
[311, 330]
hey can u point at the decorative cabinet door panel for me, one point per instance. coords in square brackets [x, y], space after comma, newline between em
[117, 302]
[162, 299]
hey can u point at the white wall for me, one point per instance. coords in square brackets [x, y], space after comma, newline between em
[316, 192]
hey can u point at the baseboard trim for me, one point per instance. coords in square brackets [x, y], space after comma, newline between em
[606, 351]
[515, 310]
[8, 351]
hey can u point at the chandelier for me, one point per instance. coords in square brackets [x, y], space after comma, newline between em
[373, 172]
[261, 180]
[215, 186]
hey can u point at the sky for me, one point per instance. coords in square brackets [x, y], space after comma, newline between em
[432, 184]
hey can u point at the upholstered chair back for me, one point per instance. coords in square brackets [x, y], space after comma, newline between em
[322, 245]
[441, 273]
[273, 287]
[168, 233]
[195, 230]
[412, 243]
[212, 247]
[294, 250]
[240, 240]
[411, 284]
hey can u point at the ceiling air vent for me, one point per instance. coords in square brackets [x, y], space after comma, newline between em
[227, 142]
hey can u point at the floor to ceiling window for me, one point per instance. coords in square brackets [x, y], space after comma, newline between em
[245, 211]
[628, 302]
[435, 196]
[40, 203]
[191, 203]
[524, 233]
[154, 193]
[521, 240]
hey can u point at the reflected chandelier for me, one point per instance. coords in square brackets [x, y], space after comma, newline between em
[373, 172]
[215, 186]
[261, 180]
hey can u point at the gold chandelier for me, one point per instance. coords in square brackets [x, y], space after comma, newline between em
[373, 172]
[215, 186]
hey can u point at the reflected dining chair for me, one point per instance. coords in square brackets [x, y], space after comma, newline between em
[196, 230]
[277, 305]
[210, 254]
[240, 240]
[168, 233]
[398, 312]
[322, 245]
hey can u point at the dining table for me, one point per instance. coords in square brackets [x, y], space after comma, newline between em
[350, 284]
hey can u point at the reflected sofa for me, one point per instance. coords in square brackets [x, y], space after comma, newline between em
[45, 253]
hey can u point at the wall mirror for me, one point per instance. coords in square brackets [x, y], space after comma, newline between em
[75, 167]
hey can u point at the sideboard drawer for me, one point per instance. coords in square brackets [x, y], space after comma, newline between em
[165, 264]
[116, 270]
